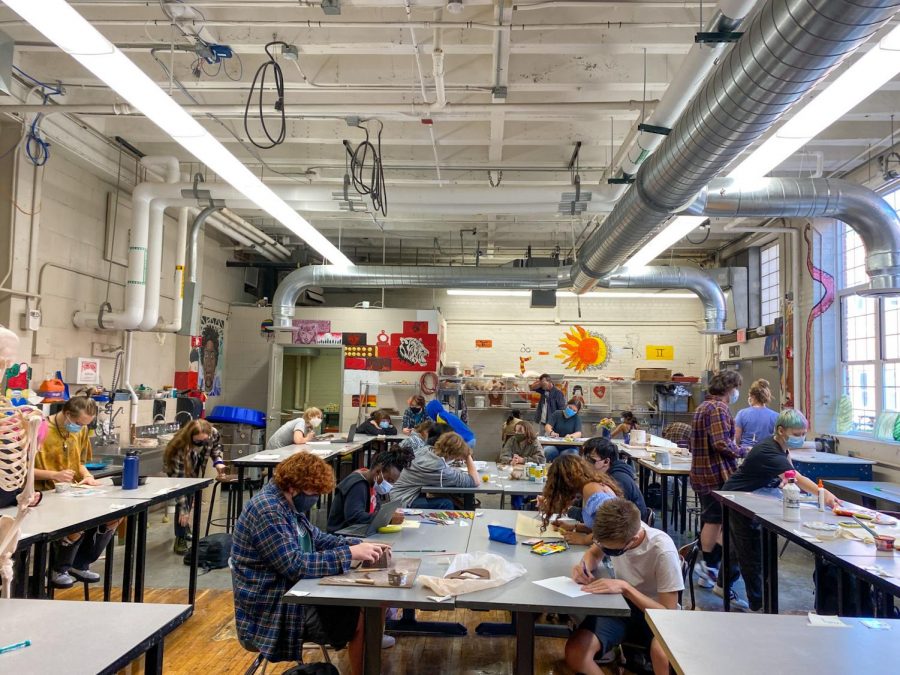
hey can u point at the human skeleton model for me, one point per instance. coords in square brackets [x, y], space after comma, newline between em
[20, 430]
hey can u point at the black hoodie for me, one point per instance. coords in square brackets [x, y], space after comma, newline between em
[623, 474]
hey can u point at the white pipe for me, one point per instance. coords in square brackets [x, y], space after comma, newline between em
[155, 238]
[796, 330]
[180, 252]
[132, 396]
[37, 191]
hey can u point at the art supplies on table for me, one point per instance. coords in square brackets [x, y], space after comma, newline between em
[447, 517]
[379, 578]
[550, 547]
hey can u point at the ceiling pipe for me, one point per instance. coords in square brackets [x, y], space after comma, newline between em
[174, 325]
[190, 318]
[863, 209]
[172, 175]
[787, 48]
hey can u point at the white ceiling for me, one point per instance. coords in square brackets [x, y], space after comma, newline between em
[606, 70]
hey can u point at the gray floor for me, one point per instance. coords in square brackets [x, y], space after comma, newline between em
[165, 569]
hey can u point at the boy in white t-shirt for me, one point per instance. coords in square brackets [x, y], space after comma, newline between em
[647, 574]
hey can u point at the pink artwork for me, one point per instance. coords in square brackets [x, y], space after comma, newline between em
[305, 330]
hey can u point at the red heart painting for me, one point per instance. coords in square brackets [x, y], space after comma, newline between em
[600, 391]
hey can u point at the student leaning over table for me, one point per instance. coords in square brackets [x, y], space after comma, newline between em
[565, 423]
[274, 547]
[648, 576]
[568, 478]
[297, 431]
[379, 424]
[359, 496]
[431, 468]
[418, 437]
[764, 467]
[603, 455]
[185, 457]
[62, 459]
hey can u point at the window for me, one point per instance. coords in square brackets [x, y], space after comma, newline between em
[870, 347]
[770, 284]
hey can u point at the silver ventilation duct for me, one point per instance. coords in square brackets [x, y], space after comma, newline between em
[688, 278]
[786, 49]
[868, 214]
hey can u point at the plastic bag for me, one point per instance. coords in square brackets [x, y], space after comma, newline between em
[501, 570]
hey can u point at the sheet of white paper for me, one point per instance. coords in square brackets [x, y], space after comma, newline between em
[463, 523]
[825, 621]
[299, 594]
[267, 456]
[410, 524]
[480, 465]
[564, 585]
[439, 598]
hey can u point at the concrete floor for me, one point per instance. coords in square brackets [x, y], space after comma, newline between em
[165, 569]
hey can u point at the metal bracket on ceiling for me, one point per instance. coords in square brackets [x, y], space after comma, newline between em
[654, 129]
[203, 197]
[625, 180]
[718, 37]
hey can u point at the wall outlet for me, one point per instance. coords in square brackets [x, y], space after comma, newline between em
[31, 320]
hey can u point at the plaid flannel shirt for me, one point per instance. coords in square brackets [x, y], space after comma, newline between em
[267, 560]
[714, 453]
[212, 447]
[413, 419]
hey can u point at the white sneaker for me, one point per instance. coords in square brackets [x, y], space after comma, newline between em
[736, 602]
[61, 580]
[84, 575]
[706, 576]
[388, 641]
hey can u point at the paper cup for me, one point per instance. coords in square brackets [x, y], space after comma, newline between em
[638, 437]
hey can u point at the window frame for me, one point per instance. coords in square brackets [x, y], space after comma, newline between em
[762, 288]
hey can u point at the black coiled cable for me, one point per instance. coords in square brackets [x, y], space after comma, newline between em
[260, 77]
[373, 186]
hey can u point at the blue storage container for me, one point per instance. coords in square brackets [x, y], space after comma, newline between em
[234, 415]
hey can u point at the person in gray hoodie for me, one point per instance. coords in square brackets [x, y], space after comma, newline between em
[431, 468]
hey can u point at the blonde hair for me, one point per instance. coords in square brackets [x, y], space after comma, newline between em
[309, 413]
[760, 392]
[616, 520]
[451, 446]
[77, 405]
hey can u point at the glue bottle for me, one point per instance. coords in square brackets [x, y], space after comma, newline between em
[821, 496]
[790, 498]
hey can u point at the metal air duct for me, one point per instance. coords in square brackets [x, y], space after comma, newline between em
[786, 49]
[864, 210]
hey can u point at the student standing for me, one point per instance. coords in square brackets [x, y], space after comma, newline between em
[647, 575]
[551, 400]
[431, 468]
[296, 431]
[414, 414]
[756, 423]
[61, 459]
[565, 423]
[359, 496]
[714, 456]
[604, 456]
[185, 457]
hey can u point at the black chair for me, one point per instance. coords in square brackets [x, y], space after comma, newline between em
[260, 660]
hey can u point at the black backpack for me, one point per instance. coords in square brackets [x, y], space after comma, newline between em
[213, 552]
[653, 496]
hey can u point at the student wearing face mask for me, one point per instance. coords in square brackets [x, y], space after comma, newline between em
[414, 414]
[565, 423]
[522, 446]
[359, 496]
[297, 431]
[274, 547]
[627, 424]
[764, 467]
[647, 575]
[185, 457]
[379, 424]
[714, 456]
[61, 459]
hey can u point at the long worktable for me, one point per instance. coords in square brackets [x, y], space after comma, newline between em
[868, 491]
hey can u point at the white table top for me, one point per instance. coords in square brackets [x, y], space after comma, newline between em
[712, 643]
[82, 637]
[547, 440]
[678, 467]
[815, 457]
[155, 489]
[60, 514]
[322, 449]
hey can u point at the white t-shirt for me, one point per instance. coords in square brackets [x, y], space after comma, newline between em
[653, 567]
[285, 435]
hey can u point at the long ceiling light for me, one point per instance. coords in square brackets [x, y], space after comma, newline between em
[487, 293]
[866, 76]
[72, 33]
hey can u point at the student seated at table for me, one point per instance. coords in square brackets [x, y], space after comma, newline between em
[678, 433]
[627, 424]
[568, 478]
[274, 547]
[648, 576]
[185, 457]
[764, 467]
[359, 496]
[61, 459]
[523, 446]
[418, 437]
[431, 468]
[414, 414]
[565, 423]
[297, 431]
[379, 424]
[509, 426]
[604, 456]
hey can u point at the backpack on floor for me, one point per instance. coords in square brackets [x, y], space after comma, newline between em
[313, 669]
[653, 496]
[213, 552]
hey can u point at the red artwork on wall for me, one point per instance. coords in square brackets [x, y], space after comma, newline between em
[411, 351]
[415, 327]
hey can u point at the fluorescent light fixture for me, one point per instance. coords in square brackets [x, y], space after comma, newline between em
[486, 293]
[866, 76]
[61, 24]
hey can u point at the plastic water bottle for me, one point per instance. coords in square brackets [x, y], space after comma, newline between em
[790, 498]
[131, 470]
[821, 495]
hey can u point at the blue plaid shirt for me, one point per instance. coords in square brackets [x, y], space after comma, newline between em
[267, 559]
[413, 419]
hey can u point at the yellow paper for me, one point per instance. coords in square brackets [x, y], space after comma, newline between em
[530, 527]
[660, 352]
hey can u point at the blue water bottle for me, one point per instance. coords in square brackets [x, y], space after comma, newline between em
[131, 470]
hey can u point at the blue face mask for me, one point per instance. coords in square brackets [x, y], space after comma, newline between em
[796, 442]
[383, 488]
[568, 412]
[73, 428]
[735, 395]
[384, 424]
[303, 503]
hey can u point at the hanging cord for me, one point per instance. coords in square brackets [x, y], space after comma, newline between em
[36, 148]
[374, 187]
[260, 77]
[491, 178]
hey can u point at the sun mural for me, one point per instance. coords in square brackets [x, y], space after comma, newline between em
[582, 350]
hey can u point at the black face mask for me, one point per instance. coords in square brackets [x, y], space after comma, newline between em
[414, 408]
[613, 552]
[303, 503]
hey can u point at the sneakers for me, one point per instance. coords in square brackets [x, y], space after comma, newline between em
[84, 575]
[61, 580]
[181, 546]
[706, 576]
[388, 641]
[736, 601]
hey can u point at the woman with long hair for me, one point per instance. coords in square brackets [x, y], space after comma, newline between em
[568, 478]
[297, 431]
[185, 457]
[627, 424]
[523, 446]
